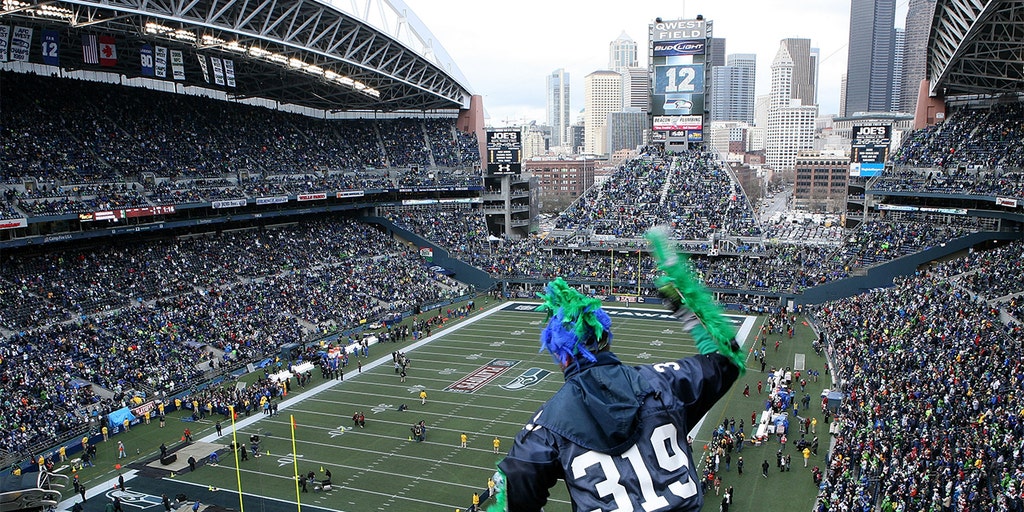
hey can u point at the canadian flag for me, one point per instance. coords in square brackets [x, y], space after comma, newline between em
[108, 51]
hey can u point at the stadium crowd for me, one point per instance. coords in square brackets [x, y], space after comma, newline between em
[154, 316]
[929, 368]
[132, 147]
[976, 151]
[931, 417]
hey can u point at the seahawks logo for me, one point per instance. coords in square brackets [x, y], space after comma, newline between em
[528, 378]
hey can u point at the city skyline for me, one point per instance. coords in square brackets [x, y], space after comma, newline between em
[506, 54]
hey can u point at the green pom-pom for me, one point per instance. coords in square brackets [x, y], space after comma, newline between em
[679, 284]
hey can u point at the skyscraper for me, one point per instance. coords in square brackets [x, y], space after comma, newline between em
[915, 51]
[732, 89]
[716, 52]
[869, 63]
[790, 122]
[622, 53]
[636, 88]
[805, 69]
[602, 91]
[558, 106]
[897, 68]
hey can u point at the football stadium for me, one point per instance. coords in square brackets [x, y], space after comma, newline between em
[271, 256]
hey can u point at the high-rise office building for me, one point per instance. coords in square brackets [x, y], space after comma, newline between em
[558, 106]
[602, 91]
[897, 68]
[732, 89]
[915, 51]
[842, 96]
[622, 53]
[790, 122]
[625, 129]
[805, 69]
[636, 89]
[716, 52]
[871, 46]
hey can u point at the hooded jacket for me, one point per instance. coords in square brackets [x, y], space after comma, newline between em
[617, 435]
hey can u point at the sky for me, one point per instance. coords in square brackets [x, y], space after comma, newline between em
[507, 49]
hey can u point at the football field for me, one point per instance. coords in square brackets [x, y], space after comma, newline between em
[483, 377]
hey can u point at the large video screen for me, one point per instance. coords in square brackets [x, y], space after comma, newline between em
[678, 75]
[869, 150]
[504, 152]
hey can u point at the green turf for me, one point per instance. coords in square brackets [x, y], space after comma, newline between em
[379, 468]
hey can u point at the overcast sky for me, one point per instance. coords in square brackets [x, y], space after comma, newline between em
[507, 49]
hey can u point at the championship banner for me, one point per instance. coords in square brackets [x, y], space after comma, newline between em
[5, 34]
[108, 51]
[146, 60]
[229, 72]
[160, 62]
[311, 197]
[202, 66]
[272, 200]
[51, 48]
[21, 44]
[177, 64]
[218, 71]
[13, 223]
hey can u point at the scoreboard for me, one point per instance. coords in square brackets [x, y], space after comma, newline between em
[504, 152]
[869, 149]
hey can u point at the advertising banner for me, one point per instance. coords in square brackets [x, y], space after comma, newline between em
[671, 123]
[13, 223]
[869, 149]
[272, 200]
[673, 48]
[228, 203]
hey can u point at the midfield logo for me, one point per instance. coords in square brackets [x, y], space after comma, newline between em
[527, 379]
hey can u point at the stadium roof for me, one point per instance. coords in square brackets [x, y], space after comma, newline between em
[365, 55]
[977, 47]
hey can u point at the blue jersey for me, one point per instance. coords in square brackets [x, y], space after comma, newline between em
[617, 436]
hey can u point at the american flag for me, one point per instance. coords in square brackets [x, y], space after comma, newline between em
[89, 53]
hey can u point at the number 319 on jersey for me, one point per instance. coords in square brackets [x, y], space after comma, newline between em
[679, 78]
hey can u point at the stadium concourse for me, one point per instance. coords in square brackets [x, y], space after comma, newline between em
[930, 368]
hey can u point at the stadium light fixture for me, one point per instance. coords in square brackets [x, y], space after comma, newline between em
[212, 41]
[156, 28]
[54, 11]
[184, 35]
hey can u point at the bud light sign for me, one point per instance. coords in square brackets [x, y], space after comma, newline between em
[673, 48]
